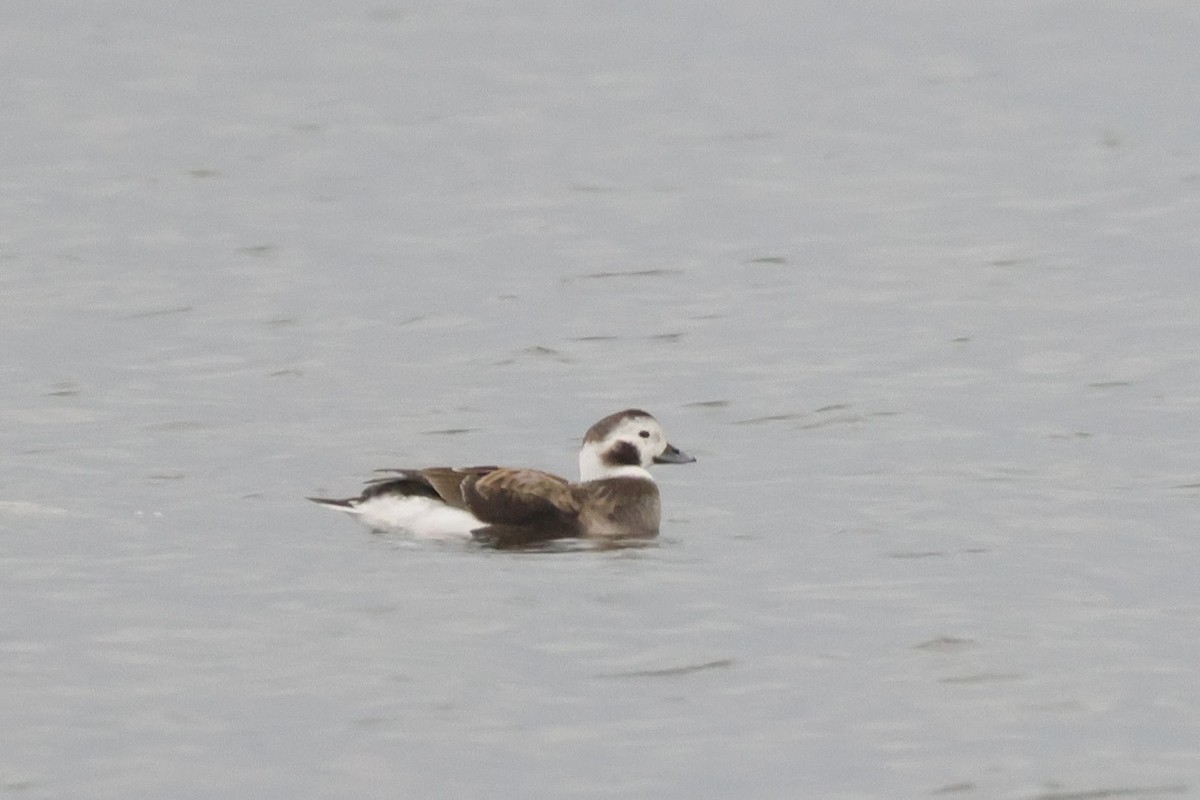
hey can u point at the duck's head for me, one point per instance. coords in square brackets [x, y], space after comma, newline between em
[625, 444]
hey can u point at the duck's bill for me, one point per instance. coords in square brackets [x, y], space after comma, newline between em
[673, 455]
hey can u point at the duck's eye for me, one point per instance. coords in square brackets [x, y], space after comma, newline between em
[644, 434]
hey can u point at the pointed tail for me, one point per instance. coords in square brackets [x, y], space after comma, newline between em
[331, 502]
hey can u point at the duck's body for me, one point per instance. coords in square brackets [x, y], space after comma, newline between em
[615, 498]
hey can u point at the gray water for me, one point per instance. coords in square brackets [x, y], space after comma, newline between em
[916, 282]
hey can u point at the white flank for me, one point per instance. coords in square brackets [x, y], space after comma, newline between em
[422, 517]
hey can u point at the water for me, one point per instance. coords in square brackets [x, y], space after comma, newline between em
[917, 285]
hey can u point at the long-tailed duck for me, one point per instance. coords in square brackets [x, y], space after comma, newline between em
[615, 497]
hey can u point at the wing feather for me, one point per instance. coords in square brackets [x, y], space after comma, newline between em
[519, 497]
[444, 483]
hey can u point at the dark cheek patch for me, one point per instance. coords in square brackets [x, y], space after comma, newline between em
[621, 454]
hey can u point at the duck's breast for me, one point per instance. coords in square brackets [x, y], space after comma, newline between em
[619, 507]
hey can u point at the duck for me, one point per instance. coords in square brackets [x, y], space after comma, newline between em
[615, 498]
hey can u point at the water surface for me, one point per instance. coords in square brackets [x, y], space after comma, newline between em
[916, 285]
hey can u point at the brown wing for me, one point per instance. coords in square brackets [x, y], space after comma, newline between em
[442, 482]
[519, 497]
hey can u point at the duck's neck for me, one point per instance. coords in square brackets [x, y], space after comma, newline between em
[593, 468]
